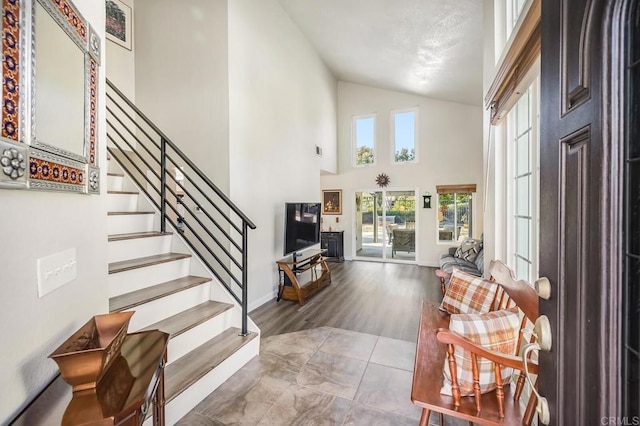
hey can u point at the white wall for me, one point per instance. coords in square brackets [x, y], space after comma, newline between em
[493, 158]
[450, 152]
[37, 224]
[282, 104]
[182, 77]
[120, 63]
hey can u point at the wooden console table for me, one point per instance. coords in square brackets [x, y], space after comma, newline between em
[289, 270]
[123, 396]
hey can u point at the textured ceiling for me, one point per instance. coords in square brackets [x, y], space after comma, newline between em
[427, 47]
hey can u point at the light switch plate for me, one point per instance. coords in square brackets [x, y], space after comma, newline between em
[56, 270]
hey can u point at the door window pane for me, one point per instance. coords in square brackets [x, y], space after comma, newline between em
[522, 154]
[522, 112]
[400, 224]
[378, 215]
[522, 237]
[522, 196]
[522, 269]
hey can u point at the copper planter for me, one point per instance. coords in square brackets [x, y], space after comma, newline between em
[85, 357]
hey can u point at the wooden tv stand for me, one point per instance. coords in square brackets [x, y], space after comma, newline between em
[289, 269]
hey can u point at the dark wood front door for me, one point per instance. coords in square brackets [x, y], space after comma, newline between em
[581, 211]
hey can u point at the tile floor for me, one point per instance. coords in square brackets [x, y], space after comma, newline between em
[321, 376]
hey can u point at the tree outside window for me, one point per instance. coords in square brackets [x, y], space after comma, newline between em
[364, 140]
[404, 134]
[364, 155]
[454, 216]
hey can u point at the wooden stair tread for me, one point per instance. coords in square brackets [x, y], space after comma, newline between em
[186, 320]
[123, 192]
[139, 297]
[127, 213]
[142, 262]
[137, 235]
[187, 370]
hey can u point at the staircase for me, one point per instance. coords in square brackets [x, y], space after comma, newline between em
[158, 272]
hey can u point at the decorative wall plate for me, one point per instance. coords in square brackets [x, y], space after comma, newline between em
[382, 180]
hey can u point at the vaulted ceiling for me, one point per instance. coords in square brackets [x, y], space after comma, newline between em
[427, 47]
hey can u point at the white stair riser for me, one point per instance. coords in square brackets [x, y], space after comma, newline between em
[136, 279]
[138, 247]
[113, 166]
[115, 183]
[125, 224]
[191, 339]
[122, 202]
[159, 309]
[187, 400]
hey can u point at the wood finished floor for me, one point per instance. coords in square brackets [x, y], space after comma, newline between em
[382, 299]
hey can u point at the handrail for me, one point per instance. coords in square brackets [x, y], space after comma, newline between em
[219, 237]
[204, 177]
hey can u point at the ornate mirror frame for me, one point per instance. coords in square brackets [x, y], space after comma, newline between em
[24, 162]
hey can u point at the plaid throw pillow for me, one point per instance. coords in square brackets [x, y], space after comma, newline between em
[469, 249]
[467, 294]
[497, 331]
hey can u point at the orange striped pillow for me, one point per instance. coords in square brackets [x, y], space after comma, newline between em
[467, 294]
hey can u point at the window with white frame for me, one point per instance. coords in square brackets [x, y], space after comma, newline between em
[404, 135]
[522, 152]
[455, 210]
[364, 140]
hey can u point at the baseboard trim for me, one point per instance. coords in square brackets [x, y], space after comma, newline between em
[267, 298]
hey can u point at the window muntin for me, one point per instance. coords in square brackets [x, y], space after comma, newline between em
[404, 135]
[364, 140]
[455, 218]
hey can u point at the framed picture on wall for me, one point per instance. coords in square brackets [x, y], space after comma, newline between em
[332, 201]
[119, 23]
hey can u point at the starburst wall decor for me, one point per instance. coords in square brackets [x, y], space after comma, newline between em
[382, 180]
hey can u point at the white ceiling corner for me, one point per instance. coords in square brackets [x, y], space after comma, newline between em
[431, 48]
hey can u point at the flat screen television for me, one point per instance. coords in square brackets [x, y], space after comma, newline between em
[301, 226]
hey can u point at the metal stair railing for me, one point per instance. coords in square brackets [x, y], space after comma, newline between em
[210, 223]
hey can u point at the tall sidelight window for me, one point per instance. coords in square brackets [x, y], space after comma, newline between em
[522, 150]
[631, 231]
[404, 135]
[364, 140]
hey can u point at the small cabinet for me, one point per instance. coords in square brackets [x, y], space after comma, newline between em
[333, 242]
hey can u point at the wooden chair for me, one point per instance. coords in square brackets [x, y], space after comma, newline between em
[435, 341]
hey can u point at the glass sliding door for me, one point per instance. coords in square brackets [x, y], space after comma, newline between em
[400, 224]
[369, 234]
[381, 217]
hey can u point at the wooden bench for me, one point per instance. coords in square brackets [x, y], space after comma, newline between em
[435, 342]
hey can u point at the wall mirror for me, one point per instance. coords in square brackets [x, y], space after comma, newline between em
[49, 110]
